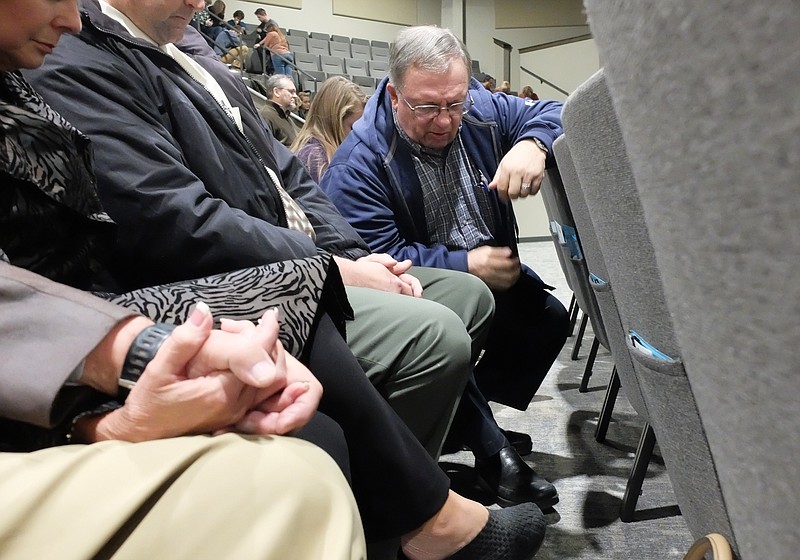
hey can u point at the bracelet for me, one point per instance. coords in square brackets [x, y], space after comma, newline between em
[97, 411]
[540, 145]
[141, 352]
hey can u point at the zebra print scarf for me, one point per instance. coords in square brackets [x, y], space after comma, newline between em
[51, 220]
[43, 149]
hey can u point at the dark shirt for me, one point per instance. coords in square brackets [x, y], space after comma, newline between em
[262, 28]
[280, 122]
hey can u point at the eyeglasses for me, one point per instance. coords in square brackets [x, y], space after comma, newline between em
[293, 91]
[430, 112]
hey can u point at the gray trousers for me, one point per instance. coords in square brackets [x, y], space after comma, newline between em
[419, 352]
[182, 498]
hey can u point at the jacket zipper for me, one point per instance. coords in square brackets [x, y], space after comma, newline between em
[224, 110]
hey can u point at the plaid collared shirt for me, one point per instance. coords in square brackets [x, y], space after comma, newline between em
[458, 207]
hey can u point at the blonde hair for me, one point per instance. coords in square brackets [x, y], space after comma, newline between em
[336, 99]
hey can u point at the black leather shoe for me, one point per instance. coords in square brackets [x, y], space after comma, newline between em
[513, 481]
[515, 533]
[519, 441]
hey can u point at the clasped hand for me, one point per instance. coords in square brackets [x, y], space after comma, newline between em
[238, 378]
[380, 272]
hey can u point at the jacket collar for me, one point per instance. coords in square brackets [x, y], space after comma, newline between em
[191, 43]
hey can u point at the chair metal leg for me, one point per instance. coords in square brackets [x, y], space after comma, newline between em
[572, 302]
[639, 470]
[573, 314]
[587, 371]
[608, 407]
[579, 338]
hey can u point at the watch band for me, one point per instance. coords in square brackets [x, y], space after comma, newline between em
[142, 351]
[104, 408]
[540, 145]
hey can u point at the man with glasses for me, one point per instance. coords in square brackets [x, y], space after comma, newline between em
[428, 175]
[277, 111]
[197, 185]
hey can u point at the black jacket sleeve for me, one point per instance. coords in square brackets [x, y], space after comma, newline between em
[187, 203]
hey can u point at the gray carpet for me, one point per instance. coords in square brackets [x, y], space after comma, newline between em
[590, 476]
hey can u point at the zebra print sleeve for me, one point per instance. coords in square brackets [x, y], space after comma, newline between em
[295, 287]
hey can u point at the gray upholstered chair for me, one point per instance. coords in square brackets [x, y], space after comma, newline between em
[380, 53]
[570, 255]
[378, 69]
[706, 94]
[359, 50]
[319, 46]
[340, 48]
[356, 67]
[331, 64]
[604, 173]
[550, 208]
[297, 44]
[624, 373]
[306, 61]
[311, 80]
[366, 83]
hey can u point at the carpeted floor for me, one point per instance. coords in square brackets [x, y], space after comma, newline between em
[590, 476]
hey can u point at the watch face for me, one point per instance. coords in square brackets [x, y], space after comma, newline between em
[142, 351]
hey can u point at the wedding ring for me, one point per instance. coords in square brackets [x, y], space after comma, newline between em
[525, 187]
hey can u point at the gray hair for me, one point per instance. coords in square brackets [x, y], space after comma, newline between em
[426, 47]
[275, 81]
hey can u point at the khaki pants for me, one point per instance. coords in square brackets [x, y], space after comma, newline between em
[235, 56]
[194, 497]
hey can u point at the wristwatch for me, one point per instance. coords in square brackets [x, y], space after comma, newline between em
[540, 145]
[141, 352]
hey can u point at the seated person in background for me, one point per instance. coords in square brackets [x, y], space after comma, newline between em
[185, 380]
[505, 87]
[237, 22]
[227, 40]
[528, 93]
[277, 111]
[205, 21]
[427, 174]
[304, 104]
[230, 48]
[338, 104]
[217, 15]
[201, 20]
[222, 194]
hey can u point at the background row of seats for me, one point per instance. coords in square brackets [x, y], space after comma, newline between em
[311, 80]
[299, 44]
[334, 64]
[335, 38]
